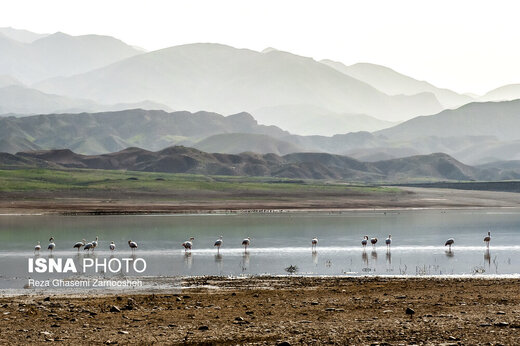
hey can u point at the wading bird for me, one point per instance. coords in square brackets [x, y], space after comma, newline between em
[218, 244]
[373, 241]
[449, 243]
[487, 239]
[51, 244]
[364, 242]
[79, 244]
[188, 244]
[314, 242]
[112, 246]
[246, 242]
[88, 246]
[94, 243]
[388, 241]
[133, 245]
[38, 247]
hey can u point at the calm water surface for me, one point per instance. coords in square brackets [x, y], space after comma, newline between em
[278, 241]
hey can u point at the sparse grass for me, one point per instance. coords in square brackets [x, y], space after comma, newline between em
[87, 179]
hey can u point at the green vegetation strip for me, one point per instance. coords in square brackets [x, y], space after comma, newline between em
[86, 179]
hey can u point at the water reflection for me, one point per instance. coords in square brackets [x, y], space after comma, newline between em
[487, 257]
[244, 263]
[315, 258]
[389, 257]
[364, 257]
[373, 254]
[188, 260]
[91, 255]
[449, 253]
[218, 261]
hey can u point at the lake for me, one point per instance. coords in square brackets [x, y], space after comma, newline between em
[277, 242]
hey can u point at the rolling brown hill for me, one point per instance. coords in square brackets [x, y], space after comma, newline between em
[179, 159]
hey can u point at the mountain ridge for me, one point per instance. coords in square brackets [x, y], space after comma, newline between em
[21, 100]
[59, 54]
[247, 80]
[470, 119]
[392, 82]
[179, 159]
[94, 133]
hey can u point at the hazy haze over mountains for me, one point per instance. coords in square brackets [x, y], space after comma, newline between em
[504, 93]
[59, 54]
[320, 107]
[311, 120]
[475, 133]
[498, 119]
[6, 80]
[228, 80]
[21, 35]
[16, 99]
[394, 83]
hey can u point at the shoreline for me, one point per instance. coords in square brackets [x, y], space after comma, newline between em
[271, 310]
[265, 211]
[215, 284]
[409, 198]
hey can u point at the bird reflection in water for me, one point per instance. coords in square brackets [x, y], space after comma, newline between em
[218, 261]
[373, 254]
[245, 261]
[450, 253]
[315, 258]
[188, 260]
[389, 257]
[364, 257]
[487, 257]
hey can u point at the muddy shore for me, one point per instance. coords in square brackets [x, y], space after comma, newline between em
[272, 310]
[106, 203]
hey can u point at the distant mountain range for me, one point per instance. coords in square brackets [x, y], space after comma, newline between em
[298, 165]
[21, 35]
[96, 94]
[504, 93]
[227, 80]
[16, 99]
[498, 119]
[59, 54]
[393, 83]
[296, 93]
[312, 120]
[236, 143]
[476, 133]
[112, 131]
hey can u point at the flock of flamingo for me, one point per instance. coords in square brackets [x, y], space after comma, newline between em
[188, 244]
[83, 244]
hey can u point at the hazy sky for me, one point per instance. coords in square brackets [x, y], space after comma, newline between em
[468, 46]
